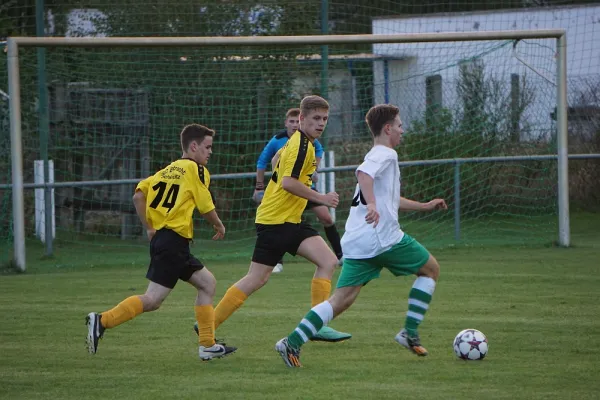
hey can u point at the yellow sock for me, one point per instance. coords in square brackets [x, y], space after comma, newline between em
[233, 299]
[205, 315]
[123, 312]
[319, 290]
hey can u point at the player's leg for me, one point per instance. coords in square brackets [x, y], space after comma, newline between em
[126, 310]
[354, 275]
[271, 243]
[166, 263]
[410, 257]
[315, 250]
[419, 298]
[204, 282]
[257, 276]
[314, 322]
[333, 236]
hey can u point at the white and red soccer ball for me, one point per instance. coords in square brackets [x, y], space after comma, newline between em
[470, 344]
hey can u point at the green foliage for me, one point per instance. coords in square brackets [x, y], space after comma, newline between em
[479, 126]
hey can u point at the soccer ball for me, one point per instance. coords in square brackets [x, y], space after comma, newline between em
[470, 344]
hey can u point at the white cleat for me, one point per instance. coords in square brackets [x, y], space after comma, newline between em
[217, 350]
[278, 268]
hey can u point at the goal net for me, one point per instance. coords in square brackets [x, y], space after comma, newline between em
[115, 114]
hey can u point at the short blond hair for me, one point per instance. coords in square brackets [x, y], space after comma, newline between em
[292, 112]
[312, 103]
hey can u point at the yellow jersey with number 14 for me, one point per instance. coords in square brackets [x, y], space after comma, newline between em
[297, 160]
[173, 193]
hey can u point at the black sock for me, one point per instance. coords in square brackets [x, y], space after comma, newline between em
[334, 238]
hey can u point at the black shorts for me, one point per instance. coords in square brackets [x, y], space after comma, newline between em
[273, 241]
[170, 259]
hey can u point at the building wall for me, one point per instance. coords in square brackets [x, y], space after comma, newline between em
[406, 78]
[341, 98]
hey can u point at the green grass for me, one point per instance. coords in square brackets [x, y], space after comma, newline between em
[538, 306]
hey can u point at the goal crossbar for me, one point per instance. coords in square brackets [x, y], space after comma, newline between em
[13, 44]
[285, 40]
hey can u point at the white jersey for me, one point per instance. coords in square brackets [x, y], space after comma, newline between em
[361, 240]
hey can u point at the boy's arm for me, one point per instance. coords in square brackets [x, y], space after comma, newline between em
[297, 188]
[365, 185]
[411, 205]
[206, 206]
[139, 202]
[261, 165]
[216, 222]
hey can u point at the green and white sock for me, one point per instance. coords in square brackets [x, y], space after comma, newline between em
[319, 316]
[418, 303]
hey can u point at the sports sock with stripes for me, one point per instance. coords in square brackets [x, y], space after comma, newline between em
[418, 303]
[319, 316]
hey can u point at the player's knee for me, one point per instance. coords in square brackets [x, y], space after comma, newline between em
[326, 220]
[329, 265]
[150, 303]
[262, 281]
[258, 280]
[209, 284]
[431, 269]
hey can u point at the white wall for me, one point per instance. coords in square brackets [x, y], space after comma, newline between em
[341, 98]
[407, 77]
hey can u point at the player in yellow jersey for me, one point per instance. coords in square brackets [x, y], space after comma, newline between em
[165, 203]
[279, 229]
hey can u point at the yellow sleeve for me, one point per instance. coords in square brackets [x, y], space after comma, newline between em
[199, 182]
[293, 157]
[143, 186]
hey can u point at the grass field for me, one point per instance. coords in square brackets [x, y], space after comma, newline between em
[538, 305]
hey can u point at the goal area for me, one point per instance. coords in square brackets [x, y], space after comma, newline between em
[485, 116]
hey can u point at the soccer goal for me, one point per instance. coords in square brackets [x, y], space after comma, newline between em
[485, 116]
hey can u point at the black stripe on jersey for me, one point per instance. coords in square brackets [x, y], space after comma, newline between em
[302, 152]
[201, 174]
[281, 134]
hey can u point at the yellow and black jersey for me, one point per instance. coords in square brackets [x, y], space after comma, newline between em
[297, 159]
[173, 193]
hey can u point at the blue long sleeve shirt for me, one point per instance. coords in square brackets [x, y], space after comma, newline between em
[276, 143]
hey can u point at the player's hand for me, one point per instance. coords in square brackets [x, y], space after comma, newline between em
[150, 232]
[372, 216]
[330, 199]
[315, 177]
[220, 232]
[436, 204]
[258, 195]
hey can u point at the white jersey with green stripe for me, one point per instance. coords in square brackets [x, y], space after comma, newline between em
[361, 240]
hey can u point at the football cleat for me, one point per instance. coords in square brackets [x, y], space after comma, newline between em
[95, 331]
[278, 268]
[217, 350]
[290, 356]
[413, 343]
[327, 334]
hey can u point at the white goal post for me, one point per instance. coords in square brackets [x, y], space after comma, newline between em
[14, 43]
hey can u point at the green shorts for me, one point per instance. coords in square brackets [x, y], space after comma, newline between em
[404, 258]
